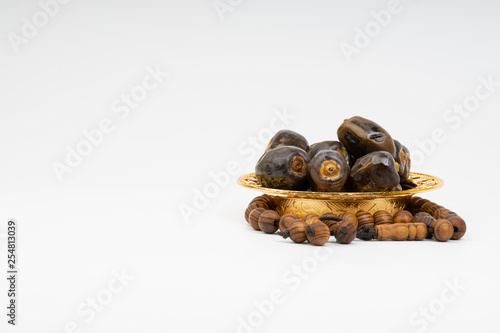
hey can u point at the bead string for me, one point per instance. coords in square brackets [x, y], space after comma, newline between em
[421, 219]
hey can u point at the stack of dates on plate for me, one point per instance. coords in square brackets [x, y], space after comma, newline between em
[364, 159]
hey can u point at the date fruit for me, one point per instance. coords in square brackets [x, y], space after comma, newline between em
[283, 167]
[329, 145]
[288, 138]
[328, 171]
[403, 160]
[362, 136]
[374, 172]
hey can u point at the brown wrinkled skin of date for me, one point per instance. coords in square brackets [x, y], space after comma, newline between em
[330, 145]
[283, 167]
[403, 160]
[328, 171]
[374, 172]
[362, 136]
[288, 138]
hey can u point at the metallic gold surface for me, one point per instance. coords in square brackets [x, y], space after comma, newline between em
[302, 203]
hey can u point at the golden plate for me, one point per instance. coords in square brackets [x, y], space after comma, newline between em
[302, 203]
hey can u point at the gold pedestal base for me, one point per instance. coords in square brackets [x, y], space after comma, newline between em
[302, 207]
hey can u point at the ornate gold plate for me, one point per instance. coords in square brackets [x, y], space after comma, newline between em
[302, 203]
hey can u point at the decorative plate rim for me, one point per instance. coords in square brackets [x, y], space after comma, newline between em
[424, 183]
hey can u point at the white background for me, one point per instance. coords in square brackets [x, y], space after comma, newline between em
[120, 209]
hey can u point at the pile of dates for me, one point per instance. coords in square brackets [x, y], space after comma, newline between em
[365, 159]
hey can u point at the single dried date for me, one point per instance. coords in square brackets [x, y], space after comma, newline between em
[362, 136]
[328, 171]
[374, 172]
[283, 167]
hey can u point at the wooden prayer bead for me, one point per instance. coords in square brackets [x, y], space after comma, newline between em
[269, 221]
[412, 231]
[310, 218]
[439, 212]
[297, 231]
[333, 228]
[403, 216]
[401, 231]
[459, 226]
[417, 204]
[413, 199]
[329, 219]
[260, 204]
[443, 230]
[345, 232]
[286, 220]
[432, 208]
[423, 216]
[419, 233]
[420, 202]
[263, 198]
[442, 214]
[411, 203]
[254, 217]
[426, 207]
[364, 218]
[397, 232]
[426, 219]
[317, 233]
[409, 207]
[350, 217]
[247, 213]
[253, 205]
[450, 213]
[382, 217]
